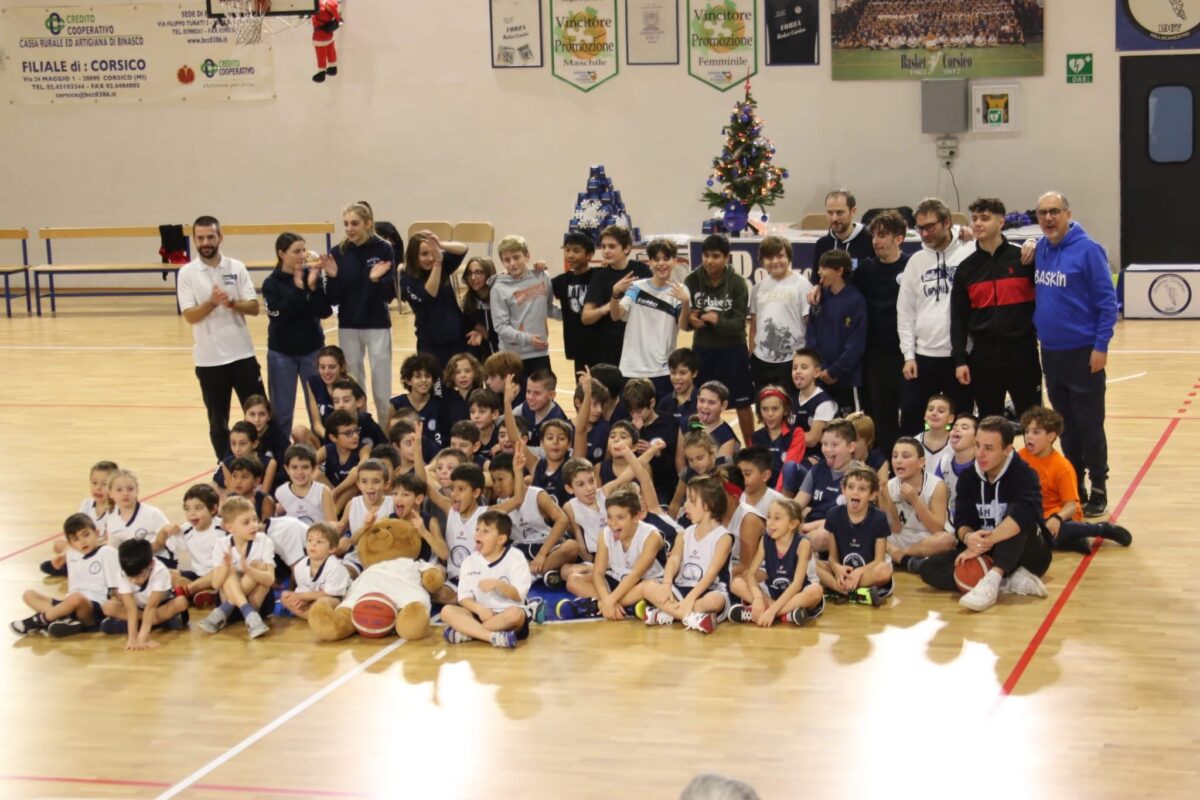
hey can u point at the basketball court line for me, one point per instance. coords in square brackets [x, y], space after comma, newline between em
[52, 537]
[279, 721]
[1125, 378]
[98, 405]
[1052, 616]
[211, 787]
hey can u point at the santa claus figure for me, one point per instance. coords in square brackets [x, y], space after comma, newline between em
[327, 20]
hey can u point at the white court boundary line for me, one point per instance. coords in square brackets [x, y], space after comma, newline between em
[1125, 378]
[279, 721]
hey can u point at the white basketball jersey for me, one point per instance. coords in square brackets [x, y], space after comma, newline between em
[510, 568]
[735, 527]
[159, 581]
[622, 561]
[913, 531]
[460, 538]
[332, 578]
[591, 521]
[307, 509]
[698, 557]
[94, 574]
[197, 547]
[764, 505]
[529, 526]
[358, 511]
[261, 549]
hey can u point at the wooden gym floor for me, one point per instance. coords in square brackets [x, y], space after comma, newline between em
[1088, 693]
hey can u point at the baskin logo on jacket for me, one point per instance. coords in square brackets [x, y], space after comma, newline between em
[1169, 294]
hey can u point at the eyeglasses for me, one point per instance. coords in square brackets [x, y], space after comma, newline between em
[1044, 213]
[928, 227]
[351, 432]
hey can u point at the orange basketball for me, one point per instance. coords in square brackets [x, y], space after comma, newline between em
[374, 615]
[971, 571]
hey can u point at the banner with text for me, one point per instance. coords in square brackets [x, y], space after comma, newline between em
[129, 54]
[722, 41]
[583, 42]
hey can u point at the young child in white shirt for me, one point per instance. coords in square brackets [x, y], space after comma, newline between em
[143, 588]
[244, 571]
[492, 586]
[88, 585]
[320, 576]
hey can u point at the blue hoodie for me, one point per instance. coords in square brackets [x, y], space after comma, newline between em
[1076, 305]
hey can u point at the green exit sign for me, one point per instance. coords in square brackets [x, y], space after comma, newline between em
[1079, 68]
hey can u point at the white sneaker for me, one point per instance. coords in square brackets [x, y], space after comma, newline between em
[1024, 582]
[983, 596]
[656, 617]
[695, 621]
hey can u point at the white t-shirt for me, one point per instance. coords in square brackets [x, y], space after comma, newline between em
[159, 581]
[780, 309]
[652, 324]
[198, 545]
[145, 523]
[261, 549]
[332, 578]
[510, 568]
[308, 508]
[289, 535]
[622, 561]
[764, 504]
[590, 520]
[221, 337]
[94, 574]
[88, 506]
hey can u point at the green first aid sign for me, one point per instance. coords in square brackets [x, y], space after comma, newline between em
[1079, 68]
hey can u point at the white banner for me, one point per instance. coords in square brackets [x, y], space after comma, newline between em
[129, 54]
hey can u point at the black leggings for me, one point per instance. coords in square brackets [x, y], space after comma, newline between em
[1028, 549]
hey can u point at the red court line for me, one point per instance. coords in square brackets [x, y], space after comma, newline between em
[92, 405]
[163, 784]
[54, 536]
[1031, 650]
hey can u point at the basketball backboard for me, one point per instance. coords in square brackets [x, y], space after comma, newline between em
[271, 8]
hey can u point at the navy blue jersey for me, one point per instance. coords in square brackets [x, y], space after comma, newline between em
[455, 408]
[781, 567]
[597, 441]
[336, 470]
[619, 412]
[432, 416]
[825, 486]
[535, 435]
[670, 407]
[552, 482]
[668, 531]
[804, 413]
[662, 466]
[485, 447]
[320, 395]
[259, 498]
[778, 447]
[607, 473]
[858, 537]
[219, 476]
[875, 459]
[370, 434]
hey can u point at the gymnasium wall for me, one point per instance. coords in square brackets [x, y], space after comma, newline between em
[418, 123]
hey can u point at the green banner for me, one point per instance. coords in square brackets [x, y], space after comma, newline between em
[722, 41]
[583, 42]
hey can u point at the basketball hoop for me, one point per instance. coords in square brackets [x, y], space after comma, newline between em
[248, 19]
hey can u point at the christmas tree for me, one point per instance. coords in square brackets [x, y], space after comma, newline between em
[744, 168]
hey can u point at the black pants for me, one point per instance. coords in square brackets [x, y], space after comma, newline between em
[883, 384]
[1028, 549]
[845, 395]
[217, 385]
[935, 375]
[764, 373]
[1078, 394]
[1004, 368]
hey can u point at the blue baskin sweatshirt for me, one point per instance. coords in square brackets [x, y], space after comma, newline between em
[1075, 305]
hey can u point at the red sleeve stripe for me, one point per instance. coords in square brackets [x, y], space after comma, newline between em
[1004, 292]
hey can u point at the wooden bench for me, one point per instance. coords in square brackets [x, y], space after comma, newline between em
[50, 269]
[7, 271]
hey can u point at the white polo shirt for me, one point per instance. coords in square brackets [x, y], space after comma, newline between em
[222, 337]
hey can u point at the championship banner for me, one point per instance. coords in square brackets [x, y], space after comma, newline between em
[1158, 24]
[583, 42]
[129, 54]
[722, 41]
[916, 39]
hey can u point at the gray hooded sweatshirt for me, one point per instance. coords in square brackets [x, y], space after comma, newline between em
[519, 308]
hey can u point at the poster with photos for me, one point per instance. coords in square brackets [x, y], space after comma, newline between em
[516, 34]
[651, 32]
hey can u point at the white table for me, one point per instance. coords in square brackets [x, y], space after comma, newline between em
[1162, 291]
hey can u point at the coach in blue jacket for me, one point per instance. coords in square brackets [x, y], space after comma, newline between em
[1075, 313]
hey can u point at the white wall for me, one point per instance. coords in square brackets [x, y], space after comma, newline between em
[418, 123]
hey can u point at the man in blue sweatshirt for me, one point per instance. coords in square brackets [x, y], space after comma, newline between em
[837, 329]
[1075, 312]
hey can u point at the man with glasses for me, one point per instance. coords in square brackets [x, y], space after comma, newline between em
[1075, 313]
[923, 315]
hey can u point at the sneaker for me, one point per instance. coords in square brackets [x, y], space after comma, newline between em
[983, 596]
[695, 621]
[913, 563]
[177, 622]
[454, 637]
[797, 617]
[256, 626]
[1116, 533]
[1023, 582]
[64, 627]
[552, 579]
[48, 568]
[640, 608]
[656, 617]
[535, 609]
[28, 625]
[112, 626]
[1097, 503]
[505, 639]
[739, 612]
[586, 607]
[836, 597]
[565, 608]
[865, 596]
[205, 598]
[214, 621]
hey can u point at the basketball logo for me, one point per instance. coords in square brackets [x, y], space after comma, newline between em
[458, 555]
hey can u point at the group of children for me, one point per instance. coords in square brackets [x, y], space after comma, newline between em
[505, 488]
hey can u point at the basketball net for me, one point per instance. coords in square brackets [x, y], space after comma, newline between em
[248, 20]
